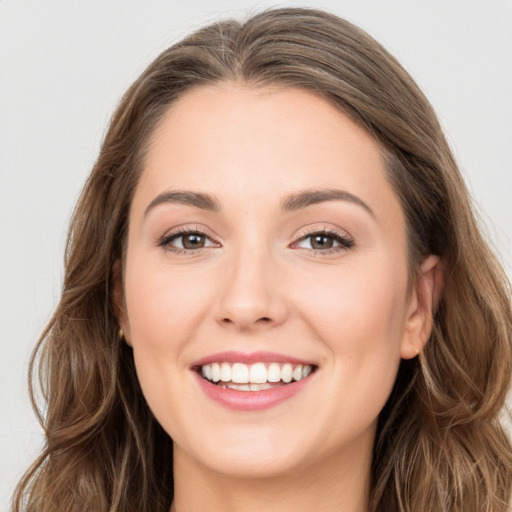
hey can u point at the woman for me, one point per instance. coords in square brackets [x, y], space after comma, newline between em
[276, 294]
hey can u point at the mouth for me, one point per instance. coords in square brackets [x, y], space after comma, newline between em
[259, 376]
[253, 381]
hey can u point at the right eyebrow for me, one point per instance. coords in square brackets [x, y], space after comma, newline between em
[196, 199]
[305, 198]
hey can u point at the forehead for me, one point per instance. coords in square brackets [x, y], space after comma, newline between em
[242, 143]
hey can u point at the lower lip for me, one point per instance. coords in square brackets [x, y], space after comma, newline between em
[251, 400]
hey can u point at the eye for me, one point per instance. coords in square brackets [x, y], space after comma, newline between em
[324, 241]
[187, 240]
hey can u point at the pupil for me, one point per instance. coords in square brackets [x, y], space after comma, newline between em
[193, 241]
[322, 242]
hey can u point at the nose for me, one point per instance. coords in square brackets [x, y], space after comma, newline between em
[251, 296]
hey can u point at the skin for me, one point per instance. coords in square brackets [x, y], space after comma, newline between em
[258, 284]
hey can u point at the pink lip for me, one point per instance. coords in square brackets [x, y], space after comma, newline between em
[251, 400]
[248, 358]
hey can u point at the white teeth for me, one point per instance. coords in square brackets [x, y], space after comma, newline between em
[306, 370]
[274, 373]
[287, 373]
[260, 387]
[240, 373]
[258, 374]
[255, 377]
[297, 372]
[206, 371]
[246, 387]
[225, 372]
[215, 372]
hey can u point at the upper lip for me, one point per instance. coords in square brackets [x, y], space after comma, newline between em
[249, 358]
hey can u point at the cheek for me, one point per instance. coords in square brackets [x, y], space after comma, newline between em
[359, 316]
[357, 306]
[164, 308]
[163, 305]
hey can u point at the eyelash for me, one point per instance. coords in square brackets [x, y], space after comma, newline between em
[166, 240]
[345, 243]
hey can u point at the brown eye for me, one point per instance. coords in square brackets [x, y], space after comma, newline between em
[324, 241]
[321, 242]
[187, 241]
[193, 241]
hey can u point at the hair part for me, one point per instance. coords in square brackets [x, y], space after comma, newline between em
[440, 446]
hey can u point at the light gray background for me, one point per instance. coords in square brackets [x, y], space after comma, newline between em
[63, 67]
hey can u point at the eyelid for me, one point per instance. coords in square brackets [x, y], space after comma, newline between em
[323, 228]
[187, 229]
[343, 237]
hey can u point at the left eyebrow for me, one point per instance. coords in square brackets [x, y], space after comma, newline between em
[196, 199]
[306, 198]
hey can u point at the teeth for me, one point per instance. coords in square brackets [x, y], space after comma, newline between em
[225, 372]
[287, 373]
[246, 387]
[206, 371]
[255, 377]
[215, 372]
[258, 374]
[240, 373]
[274, 373]
[306, 370]
[260, 387]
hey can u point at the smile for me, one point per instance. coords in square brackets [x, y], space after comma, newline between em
[252, 381]
[255, 377]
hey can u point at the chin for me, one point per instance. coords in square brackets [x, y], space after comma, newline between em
[249, 454]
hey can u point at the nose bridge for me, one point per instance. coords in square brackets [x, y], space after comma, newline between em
[250, 294]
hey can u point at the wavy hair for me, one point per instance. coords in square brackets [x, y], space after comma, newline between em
[440, 446]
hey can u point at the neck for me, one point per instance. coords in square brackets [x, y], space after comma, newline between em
[339, 483]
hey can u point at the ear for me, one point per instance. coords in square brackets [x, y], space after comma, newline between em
[422, 307]
[119, 302]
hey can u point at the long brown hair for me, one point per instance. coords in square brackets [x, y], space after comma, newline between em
[439, 447]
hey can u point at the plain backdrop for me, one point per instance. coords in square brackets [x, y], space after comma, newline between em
[63, 67]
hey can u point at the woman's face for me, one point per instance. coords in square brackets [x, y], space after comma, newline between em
[265, 244]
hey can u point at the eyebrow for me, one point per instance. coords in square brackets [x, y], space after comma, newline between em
[196, 199]
[307, 198]
[293, 202]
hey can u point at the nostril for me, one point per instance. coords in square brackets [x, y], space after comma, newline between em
[261, 320]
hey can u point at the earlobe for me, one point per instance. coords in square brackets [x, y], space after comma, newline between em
[423, 305]
[119, 303]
